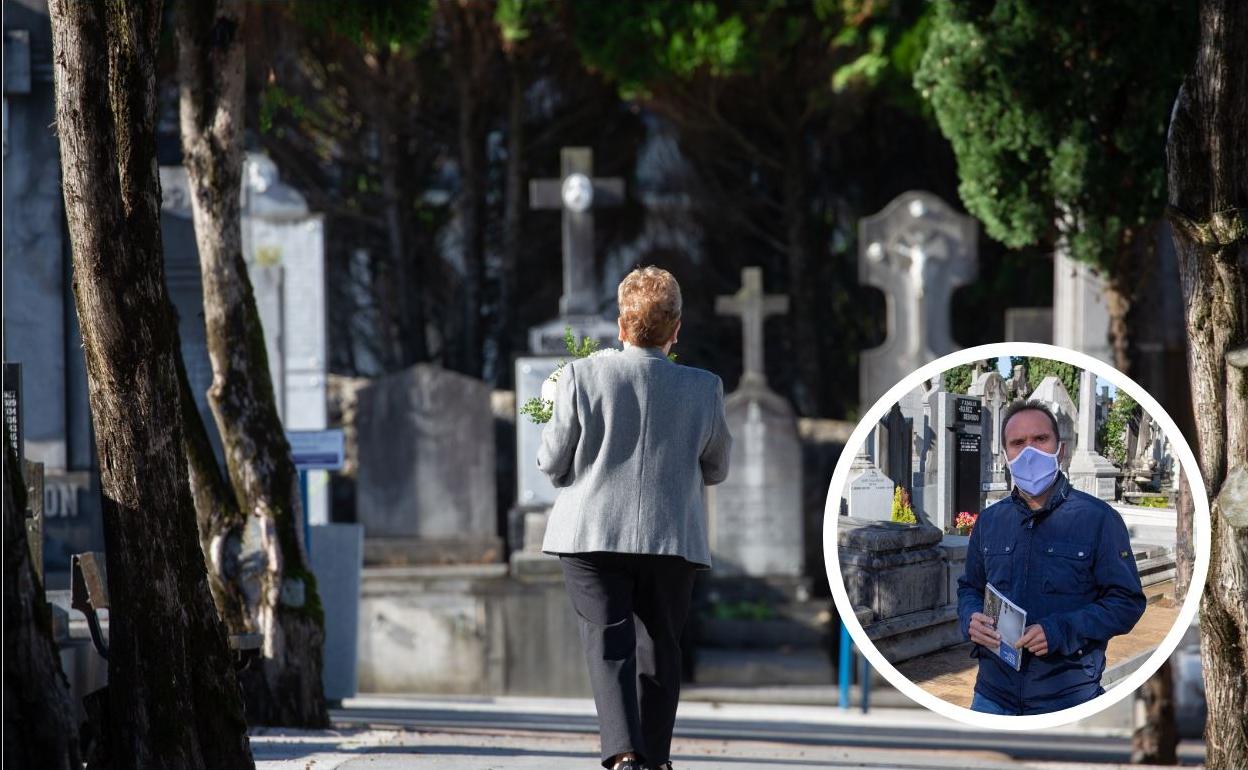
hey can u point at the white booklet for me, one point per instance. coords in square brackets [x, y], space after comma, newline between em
[1009, 619]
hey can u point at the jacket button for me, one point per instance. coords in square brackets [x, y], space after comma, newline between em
[1050, 549]
[1081, 553]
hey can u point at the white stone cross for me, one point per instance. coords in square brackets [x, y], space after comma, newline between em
[753, 307]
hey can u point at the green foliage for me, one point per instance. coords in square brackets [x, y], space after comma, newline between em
[274, 98]
[1154, 501]
[1057, 113]
[742, 610]
[396, 26]
[958, 379]
[902, 511]
[515, 18]
[642, 44]
[1111, 435]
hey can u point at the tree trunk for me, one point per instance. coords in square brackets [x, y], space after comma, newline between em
[40, 724]
[513, 219]
[286, 688]
[1207, 167]
[221, 522]
[1156, 740]
[172, 700]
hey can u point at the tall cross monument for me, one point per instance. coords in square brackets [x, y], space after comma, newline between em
[577, 192]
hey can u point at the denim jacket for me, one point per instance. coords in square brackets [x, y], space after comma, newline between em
[1070, 565]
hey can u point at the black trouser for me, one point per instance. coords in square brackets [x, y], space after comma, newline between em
[634, 667]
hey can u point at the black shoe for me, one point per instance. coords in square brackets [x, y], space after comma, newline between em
[664, 766]
[628, 764]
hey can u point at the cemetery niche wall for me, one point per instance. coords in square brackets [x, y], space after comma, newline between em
[902, 577]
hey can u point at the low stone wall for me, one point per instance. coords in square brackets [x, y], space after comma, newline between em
[469, 629]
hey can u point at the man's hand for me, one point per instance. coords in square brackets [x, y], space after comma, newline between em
[1033, 640]
[982, 632]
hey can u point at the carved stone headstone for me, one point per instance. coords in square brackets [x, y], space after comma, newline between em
[1089, 471]
[918, 250]
[426, 480]
[756, 525]
[954, 475]
[1053, 393]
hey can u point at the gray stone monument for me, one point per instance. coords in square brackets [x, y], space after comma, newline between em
[918, 250]
[426, 491]
[1080, 315]
[1089, 471]
[756, 514]
[993, 389]
[953, 481]
[576, 193]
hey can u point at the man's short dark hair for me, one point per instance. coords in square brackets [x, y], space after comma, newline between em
[1023, 406]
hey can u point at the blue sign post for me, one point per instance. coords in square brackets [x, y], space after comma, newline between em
[314, 450]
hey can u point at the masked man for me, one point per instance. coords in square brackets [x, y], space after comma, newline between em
[1065, 558]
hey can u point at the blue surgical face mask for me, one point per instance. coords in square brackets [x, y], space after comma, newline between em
[1034, 470]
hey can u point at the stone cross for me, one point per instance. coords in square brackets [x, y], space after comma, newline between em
[917, 250]
[577, 192]
[753, 307]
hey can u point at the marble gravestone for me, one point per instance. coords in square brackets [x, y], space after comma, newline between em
[756, 513]
[868, 492]
[1053, 394]
[1089, 471]
[898, 446]
[1080, 312]
[426, 491]
[917, 250]
[577, 193]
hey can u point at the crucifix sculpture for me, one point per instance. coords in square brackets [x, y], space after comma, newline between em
[577, 192]
[753, 307]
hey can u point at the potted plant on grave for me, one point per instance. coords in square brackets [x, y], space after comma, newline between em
[903, 513]
[965, 522]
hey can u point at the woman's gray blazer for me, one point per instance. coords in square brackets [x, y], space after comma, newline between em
[633, 440]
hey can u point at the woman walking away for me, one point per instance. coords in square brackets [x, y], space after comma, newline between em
[633, 439]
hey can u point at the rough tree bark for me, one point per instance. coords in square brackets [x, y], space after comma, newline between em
[221, 522]
[285, 688]
[173, 699]
[40, 724]
[1207, 169]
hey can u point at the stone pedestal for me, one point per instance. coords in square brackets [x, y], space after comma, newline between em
[892, 569]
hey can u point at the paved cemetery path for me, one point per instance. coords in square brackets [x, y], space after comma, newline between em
[950, 673]
[521, 733]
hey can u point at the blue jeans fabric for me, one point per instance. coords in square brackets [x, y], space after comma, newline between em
[985, 706]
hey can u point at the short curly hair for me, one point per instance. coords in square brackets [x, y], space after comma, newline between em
[650, 306]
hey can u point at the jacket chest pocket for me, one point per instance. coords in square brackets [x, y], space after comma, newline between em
[999, 563]
[1067, 568]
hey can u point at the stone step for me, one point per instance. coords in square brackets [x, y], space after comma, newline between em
[761, 668]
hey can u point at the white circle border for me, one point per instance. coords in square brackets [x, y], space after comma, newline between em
[1201, 534]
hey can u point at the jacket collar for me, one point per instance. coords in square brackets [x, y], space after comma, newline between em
[637, 351]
